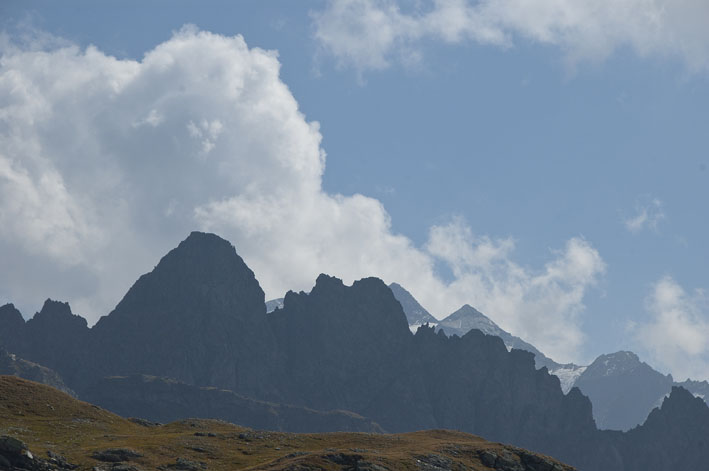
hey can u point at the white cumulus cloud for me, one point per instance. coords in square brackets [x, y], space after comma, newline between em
[105, 164]
[372, 34]
[676, 333]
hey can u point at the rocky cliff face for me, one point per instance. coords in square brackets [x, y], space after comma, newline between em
[350, 348]
[474, 383]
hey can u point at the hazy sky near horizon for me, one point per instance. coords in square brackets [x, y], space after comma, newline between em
[545, 162]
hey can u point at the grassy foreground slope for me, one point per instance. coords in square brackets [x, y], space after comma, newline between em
[46, 419]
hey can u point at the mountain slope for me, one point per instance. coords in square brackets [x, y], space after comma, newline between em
[200, 317]
[674, 436]
[82, 434]
[622, 389]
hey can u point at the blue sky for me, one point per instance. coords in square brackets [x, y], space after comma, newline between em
[514, 145]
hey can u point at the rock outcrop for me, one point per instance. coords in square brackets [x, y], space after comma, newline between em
[16, 456]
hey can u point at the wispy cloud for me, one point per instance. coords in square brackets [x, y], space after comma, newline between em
[373, 34]
[648, 215]
[676, 334]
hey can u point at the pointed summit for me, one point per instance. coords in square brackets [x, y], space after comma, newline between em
[467, 318]
[199, 310]
[416, 314]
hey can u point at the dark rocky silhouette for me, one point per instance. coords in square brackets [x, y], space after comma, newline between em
[54, 337]
[674, 436]
[199, 317]
[468, 318]
[350, 348]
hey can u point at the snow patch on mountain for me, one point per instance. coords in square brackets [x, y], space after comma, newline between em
[568, 374]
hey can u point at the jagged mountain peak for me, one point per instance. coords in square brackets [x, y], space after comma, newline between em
[377, 307]
[680, 404]
[467, 317]
[57, 312]
[203, 275]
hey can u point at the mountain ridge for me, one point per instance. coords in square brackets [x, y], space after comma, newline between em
[337, 347]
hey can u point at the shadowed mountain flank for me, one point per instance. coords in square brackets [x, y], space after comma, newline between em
[350, 348]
